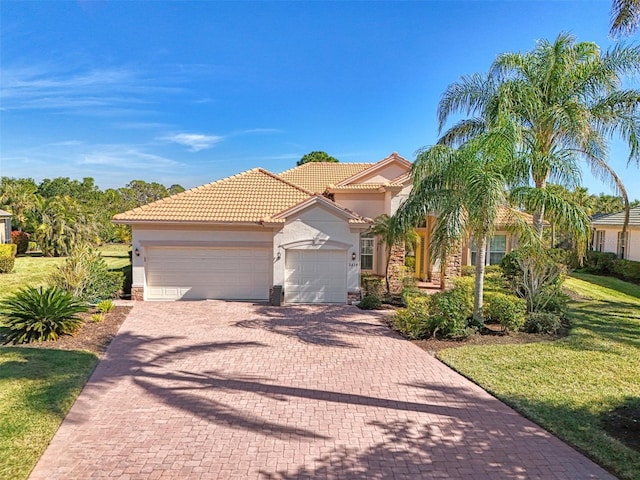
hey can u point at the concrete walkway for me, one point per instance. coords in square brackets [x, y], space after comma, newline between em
[221, 390]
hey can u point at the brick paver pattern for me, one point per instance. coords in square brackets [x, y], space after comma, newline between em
[231, 390]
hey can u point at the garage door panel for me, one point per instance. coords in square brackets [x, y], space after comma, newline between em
[200, 273]
[315, 276]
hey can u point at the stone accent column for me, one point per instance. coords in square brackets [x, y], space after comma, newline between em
[452, 268]
[137, 293]
[397, 270]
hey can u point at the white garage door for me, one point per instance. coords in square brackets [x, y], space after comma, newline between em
[198, 273]
[316, 276]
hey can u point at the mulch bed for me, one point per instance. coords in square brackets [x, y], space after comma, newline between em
[91, 336]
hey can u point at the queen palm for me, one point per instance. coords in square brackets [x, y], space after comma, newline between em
[466, 186]
[625, 17]
[568, 101]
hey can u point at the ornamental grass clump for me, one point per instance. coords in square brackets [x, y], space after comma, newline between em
[39, 314]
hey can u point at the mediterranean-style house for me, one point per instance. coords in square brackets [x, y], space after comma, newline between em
[305, 230]
[607, 234]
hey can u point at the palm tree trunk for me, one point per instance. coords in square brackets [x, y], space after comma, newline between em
[538, 215]
[478, 295]
[386, 271]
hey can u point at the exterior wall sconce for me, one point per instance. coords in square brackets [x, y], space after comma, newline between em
[354, 256]
[278, 255]
[137, 252]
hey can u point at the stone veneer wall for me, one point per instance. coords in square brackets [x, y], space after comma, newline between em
[397, 269]
[137, 293]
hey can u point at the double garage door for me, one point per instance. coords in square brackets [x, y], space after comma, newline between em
[181, 273]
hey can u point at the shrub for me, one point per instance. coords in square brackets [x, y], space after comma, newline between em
[553, 300]
[105, 306]
[412, 323]
[627, 270]
[7, 263]
[449, 311]
[21, 241]
[410, 263]
[599, 263]
[85, 275]
[97, 317]
[468, 270]
[372, 285]
[8, 249]
[39, 314]
[507, 310]
[370, 302]
[542, 322]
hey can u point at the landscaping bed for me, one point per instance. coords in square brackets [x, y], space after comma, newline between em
[91, 336]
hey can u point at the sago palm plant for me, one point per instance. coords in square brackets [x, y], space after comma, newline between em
[39, 314]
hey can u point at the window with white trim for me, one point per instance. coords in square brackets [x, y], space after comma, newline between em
[622, 244]
[496, 250]
[367, 243]
[599, 241]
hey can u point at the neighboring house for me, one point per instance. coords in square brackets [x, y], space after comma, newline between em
[5, 226]
[305, 229]
[607, 234]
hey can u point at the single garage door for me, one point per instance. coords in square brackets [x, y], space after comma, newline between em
[316, 276]
[187, 273]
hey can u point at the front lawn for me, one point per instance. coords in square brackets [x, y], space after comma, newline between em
[33, 270]
[585, 388]
[37, 388]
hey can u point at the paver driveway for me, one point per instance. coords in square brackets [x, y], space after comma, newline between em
[218, 390]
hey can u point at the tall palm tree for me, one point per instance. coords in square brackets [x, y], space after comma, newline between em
[385, 229]
[568, 101]
[625, 17]
[466, 186]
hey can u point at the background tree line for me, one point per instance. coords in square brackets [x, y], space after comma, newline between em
[60, 214]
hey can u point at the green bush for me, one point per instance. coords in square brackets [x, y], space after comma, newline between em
[412, 323]
[21, 241]
[372, 285]
[627, 270]
[97, 317]
[105, 306]
[449, 311]
[7, 263]
[510, 266]
[599, 263]
[468, 270]
[553, 300]
[8, 249]
[370, 302]
[410, 263]
[542, 322]
[507, 310]
[85, 275]
[39, 314]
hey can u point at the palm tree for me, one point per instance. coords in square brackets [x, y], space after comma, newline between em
[466, 186]
[625, 17]
[392, 236]
[568, 101]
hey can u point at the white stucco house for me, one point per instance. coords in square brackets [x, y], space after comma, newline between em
[5, 226]
[607, 234]
[240, 236]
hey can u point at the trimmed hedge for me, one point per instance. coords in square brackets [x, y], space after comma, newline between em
[607, 263]
[507, 310]
[7, 264]
[8, 249]
[21, 240]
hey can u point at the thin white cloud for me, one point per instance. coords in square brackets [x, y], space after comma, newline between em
[128, 158]
[66, 143]
[195, 141]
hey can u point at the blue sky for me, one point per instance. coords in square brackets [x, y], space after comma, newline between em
[189, 92]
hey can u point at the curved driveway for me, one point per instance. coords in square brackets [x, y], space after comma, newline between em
[222, 390]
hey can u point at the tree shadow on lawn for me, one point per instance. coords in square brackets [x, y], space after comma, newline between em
[609, 324]
[325, 325]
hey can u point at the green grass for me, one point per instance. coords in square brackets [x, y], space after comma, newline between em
[33, 270]
[37, 388]
[569, 385]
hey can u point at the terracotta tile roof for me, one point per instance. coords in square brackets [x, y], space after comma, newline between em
[506, 214]
[252, 196]
[316, 176]
[357, 186]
